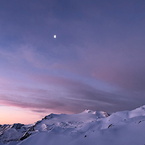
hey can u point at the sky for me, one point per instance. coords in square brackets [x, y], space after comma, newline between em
[96, 62]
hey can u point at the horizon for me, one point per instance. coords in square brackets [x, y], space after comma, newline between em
[43, 116]
[66, 56]
[63, 113]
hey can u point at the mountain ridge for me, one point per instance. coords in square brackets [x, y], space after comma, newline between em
[118, 128]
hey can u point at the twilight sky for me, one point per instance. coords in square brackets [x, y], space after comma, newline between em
[96, 62]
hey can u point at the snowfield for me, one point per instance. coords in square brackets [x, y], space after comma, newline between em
[86, 128]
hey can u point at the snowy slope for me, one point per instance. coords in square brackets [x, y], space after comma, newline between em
[86, 128]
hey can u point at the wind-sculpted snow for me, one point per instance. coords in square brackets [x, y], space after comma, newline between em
[86, 128]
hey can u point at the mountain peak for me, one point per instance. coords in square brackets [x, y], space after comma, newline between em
[89, 111]
[99, 114]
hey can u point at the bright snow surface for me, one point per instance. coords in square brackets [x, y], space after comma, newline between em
[86, 128]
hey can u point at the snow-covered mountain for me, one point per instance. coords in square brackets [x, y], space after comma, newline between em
[86, 128]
